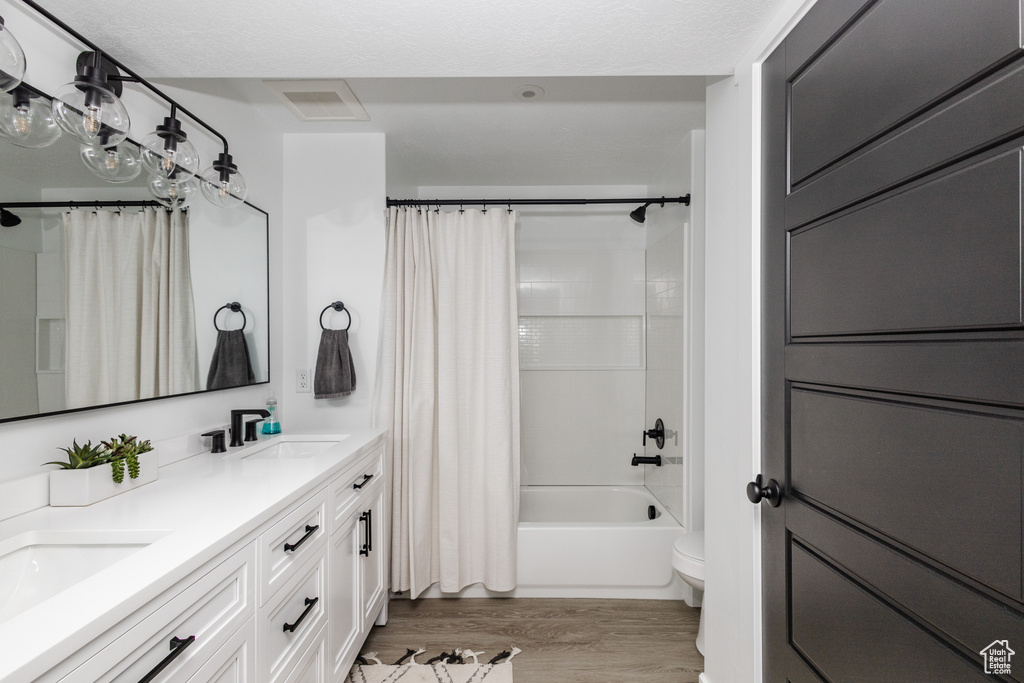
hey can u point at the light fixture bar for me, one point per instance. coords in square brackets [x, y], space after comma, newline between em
[134, 77]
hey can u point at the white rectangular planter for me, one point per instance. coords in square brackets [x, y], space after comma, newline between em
[85, 487]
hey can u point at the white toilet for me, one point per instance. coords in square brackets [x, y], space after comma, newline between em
[688, 561]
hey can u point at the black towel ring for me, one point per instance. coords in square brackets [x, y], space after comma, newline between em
[235, 308]
[338, 306]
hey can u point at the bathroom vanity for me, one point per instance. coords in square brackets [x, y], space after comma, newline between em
[266, 564]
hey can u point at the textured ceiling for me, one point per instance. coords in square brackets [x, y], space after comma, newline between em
[414, 38]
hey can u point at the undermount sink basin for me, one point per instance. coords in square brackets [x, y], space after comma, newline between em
[37, 565]
[291, 449]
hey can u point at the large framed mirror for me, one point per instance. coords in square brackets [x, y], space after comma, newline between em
[95, 311]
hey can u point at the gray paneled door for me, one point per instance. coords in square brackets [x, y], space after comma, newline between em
[893, 350]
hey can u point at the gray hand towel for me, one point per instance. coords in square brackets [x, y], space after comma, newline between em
[230, 366]
[335, 375]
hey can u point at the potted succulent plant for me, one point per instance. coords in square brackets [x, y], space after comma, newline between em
[83, 481]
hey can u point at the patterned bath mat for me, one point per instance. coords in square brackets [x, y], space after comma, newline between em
[457, 666]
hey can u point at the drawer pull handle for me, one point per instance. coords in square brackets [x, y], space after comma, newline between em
[310, 530]
[177, 647]
[368, 546]
[310, 604]
[366, 478]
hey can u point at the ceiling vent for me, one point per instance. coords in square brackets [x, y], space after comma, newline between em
[320, 100]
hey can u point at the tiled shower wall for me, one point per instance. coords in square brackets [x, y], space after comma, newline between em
[581, 346]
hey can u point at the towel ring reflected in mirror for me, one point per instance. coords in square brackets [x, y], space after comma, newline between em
[338, 306]
[235, 307]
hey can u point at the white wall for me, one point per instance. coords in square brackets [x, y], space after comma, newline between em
[675, 305]
[732, 364]
[334, 250]
[24, 445]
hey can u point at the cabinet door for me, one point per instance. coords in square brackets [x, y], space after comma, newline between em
[375, 552]
[345, 606]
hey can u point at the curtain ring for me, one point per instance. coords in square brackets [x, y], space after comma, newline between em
[235, 308]
[485, 208]
[510, 206]
[338, 306]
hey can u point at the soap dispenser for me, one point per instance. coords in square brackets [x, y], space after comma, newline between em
[270, 424]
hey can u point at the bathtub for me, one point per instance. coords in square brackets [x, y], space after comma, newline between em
[591, 542]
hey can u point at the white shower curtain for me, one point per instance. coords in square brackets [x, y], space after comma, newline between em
[448, 389]
[130, 318]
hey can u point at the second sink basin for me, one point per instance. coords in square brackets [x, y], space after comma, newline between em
[39, 564]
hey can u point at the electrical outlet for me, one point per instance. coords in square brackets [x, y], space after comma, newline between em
[302, 381]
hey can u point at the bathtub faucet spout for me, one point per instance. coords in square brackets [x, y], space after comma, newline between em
[646, 460]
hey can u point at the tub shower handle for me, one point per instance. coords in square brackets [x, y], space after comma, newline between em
[658, 434]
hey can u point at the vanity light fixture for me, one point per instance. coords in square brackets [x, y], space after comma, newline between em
[90, 109]
[113, 163]
[90, 105]
[167, 150]
[175, 192]
[26, 119]
[222, 184]
[12, 60]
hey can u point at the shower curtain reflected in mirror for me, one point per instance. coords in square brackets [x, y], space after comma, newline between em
[130, 317]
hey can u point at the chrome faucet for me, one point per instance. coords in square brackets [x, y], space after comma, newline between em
[236, 424]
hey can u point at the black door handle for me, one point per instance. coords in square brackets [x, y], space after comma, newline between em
[366, 478]
[758, 490]
[178, 646]
[310, 604]
[367, 547]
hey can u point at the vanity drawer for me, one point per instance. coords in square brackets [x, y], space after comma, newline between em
[346, 488]
[235, 661]
[293, 620]
[312, 667]
[290, 542]
[179, 637]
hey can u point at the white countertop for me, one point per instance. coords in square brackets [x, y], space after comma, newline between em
[206, 503]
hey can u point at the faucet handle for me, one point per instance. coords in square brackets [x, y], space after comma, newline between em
[217, 439]
[250, 429]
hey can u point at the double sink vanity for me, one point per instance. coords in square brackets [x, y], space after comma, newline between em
[266, 564]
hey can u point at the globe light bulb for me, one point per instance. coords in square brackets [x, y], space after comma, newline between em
[22, 119]
[113, 163]
[89, 108]
[91, 120]
[167, 151]
[26, 120]
[222, 184]
[174, 193]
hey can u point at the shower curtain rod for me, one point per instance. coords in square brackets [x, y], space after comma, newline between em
[685, 199]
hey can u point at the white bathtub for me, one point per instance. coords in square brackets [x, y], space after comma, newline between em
[591, 542]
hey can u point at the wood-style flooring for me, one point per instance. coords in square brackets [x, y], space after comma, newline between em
[562, 641]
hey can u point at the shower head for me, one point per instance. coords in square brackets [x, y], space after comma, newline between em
[639, 214]
[8, 219]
